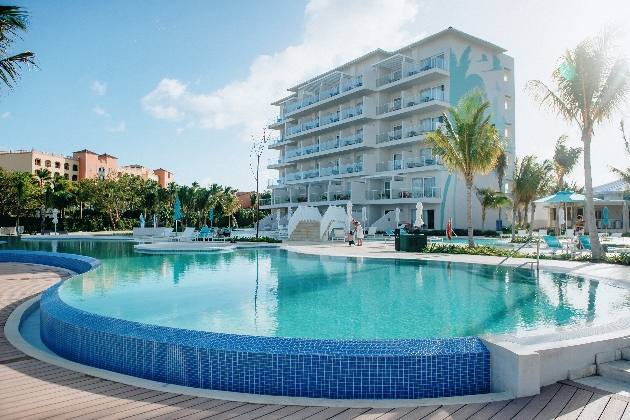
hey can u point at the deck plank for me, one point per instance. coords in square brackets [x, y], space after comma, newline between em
[512, 408]
[420, 412]
[212, 411]
[305, 413]
[282, 413]
[467, 411]
[373, 413]
[557, 403]
[538, 403]
[490, 410]
[444, 412]
[614, 409]
[575, 405]
[595, 407]
[350, 413]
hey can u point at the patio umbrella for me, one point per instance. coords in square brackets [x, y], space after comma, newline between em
[289, 214]
[605, 222]
[563, 197]
[364, 215]
[419, 222]
[177, 214]
[278, 218]
[349, 210]
[141, 220]
[397, 216]
[155, 220]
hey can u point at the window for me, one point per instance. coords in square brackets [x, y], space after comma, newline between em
[397, 104]
[506, 75]
[433, 93]
[508, 102]
[58, 165]
[66, 166]
[66, 176]
[48, 164]
[508, 130]
[75, 167]
[74, 177]
[38, 162]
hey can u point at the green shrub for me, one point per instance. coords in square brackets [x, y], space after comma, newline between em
[266, 239]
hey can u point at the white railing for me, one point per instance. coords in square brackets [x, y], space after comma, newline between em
[303, 213]
[332, 215]
[410, 101]
[310, 100]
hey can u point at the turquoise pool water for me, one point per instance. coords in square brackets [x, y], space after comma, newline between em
[277, 293]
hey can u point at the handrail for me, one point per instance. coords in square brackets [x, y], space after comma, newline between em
[521, 247]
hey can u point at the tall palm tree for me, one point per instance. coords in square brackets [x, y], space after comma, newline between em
[591, 85]
[489, 198]
[230, 203]
[520, 175]
[501, 168]
[539, 185]
[564, 160]
[13, 20]
[469, 144]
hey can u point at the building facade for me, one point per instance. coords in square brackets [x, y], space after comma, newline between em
[82, 164]
[357, 133]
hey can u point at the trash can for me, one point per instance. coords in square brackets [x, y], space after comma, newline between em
[397, 239]
[413, 243]
[499, 226]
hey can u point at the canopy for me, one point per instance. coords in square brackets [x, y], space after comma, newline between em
[563, 197]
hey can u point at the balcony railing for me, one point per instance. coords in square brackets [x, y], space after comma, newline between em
[411, 101]
[351, 112]
[428, 192]
[339, 195]
[420, 67]
[275, 161]
[276, 120]
[324, 172]
[276, 140]
[274, 182]
[344, 87]
[409, 132]
[326, 145]
[418, 162]
[264, 202]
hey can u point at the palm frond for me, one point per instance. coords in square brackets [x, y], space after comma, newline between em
[10, 66]
[548, 99]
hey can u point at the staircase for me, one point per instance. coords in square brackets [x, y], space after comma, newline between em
[613, 364]
[306, 231]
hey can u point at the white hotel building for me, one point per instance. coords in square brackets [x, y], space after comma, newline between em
[357, 132]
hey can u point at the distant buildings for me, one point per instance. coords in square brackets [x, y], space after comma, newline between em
[82, 164]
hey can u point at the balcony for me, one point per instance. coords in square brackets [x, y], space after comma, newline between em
[407, 133]
[329, 93]
[264, 202]
[325, 172]
[275, 182]
[276, 120]
[411, 163]
[407, 72]
[275, 140]
[404, 193]
[411, 101]
[275, 161]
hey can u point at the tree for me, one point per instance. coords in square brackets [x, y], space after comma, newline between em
[21, 194]
[13, 19]
[230, 203]
[539, 184]
[564, 160]
[501, 168]
[469, 144]
[257, 151]
[591, 85]
[489, 198]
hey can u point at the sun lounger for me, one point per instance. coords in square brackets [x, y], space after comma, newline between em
[338, 234]
[166, 232]
[542, 232]
[371, 232]
[522, 232]
[388, 234]
[204, 234]
[555, 244]
[188, 234]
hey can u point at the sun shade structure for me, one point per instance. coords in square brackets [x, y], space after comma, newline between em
[563, 197]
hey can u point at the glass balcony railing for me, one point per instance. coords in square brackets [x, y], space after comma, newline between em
[352, 112]
[389, 136]
[410, 101]
[274, 182]
[420, 67]
[293, 153]
[276, 120]
[328, 93]
[294, 130]
[427, 192]
[329, 171]
[410, 163]
[317, 197]
[294, 176]
[264, 202]
[281, 199]
[313, 173]
[276, 140]
[339, 195]
[299, 198]
[350, 140]
[408, 132]
[330, 118]
[351, 168]
[275, 161]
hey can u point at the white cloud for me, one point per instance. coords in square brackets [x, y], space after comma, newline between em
[101, 111]
[334, 33]
[120, 127]
[6, 115]
[99, 88]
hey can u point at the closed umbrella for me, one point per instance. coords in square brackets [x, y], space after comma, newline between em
[605, 222]
[289, 214]
[397, 216]
[278, 218]
[155, 220]
[364, 215]
[419, 222]
[141, 220]
[561, 216]
[349, 210]
[177, 214]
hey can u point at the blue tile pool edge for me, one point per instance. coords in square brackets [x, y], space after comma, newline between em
[336, 369]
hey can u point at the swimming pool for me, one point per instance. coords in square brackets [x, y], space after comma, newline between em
[276, 293]
[337, 356]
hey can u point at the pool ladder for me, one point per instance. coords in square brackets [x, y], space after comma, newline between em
[537, 262]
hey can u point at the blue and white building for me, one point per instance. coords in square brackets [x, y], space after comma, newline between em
[357, 132]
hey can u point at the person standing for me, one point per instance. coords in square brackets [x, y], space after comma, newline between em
[358, 230]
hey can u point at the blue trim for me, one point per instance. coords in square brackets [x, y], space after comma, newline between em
[356, 369]
[76, 263]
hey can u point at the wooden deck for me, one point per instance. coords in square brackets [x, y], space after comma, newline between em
[31, 389]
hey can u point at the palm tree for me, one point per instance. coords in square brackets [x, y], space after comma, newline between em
[564, 160]
[489, 198]
[230, 203]
[538, 186]
[469, 144]
[591, 85]
[522, 170]
[13, 19]
[501, 168]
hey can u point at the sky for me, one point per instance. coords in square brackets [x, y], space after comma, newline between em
[185, 86]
